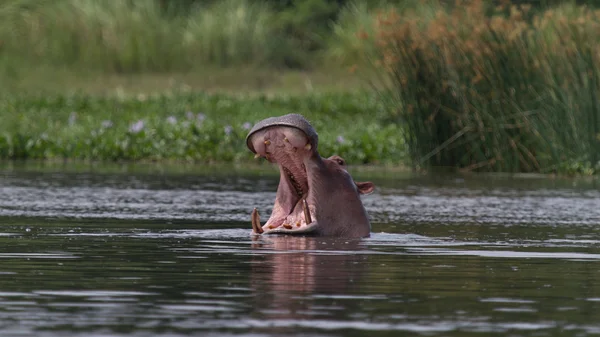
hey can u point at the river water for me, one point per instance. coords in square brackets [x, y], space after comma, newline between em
[147, 251]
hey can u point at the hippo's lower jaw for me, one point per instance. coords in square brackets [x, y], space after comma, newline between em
[302, 228]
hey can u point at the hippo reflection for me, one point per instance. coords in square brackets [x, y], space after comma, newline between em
[315, 195]
[288, 272]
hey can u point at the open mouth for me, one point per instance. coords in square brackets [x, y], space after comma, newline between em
[294, 209]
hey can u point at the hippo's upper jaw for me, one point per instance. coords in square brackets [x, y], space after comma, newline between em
[314, 195]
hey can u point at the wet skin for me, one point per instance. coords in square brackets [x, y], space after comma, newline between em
[315, 195]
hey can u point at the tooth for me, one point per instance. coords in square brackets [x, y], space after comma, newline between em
[267, 142]
[308, 146]
[298, 224]
[286, 140]
[306, 212]
[256, 156]
[287, 226]
[256, 228]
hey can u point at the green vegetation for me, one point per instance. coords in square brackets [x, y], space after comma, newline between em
[125, 36]
[512, 91]
[187, 126]
[127, 80]
[476, 86]
[134, 36]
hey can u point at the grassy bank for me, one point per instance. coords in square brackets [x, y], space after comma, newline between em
[187, 126]
[234, 80]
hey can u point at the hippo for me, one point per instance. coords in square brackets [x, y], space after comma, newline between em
[316, 196]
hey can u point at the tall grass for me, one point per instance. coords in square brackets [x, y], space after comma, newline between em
[231, 32]
[353, 40]
[512, 91]
[136, 36]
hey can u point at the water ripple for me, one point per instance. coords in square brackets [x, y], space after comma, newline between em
[419, 204]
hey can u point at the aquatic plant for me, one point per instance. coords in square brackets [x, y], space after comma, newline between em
[135, 128]
[172, 120]
[512, 91]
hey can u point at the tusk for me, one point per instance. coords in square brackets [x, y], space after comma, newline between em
[308, 146]
[256, 228]
[306, 212]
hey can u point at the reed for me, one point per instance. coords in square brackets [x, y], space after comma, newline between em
[513, 90]
[353, 40]
[136, 36]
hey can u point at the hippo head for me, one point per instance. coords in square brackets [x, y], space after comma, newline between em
[315, 195]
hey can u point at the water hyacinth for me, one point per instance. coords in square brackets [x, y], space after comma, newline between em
[72, 118]
[137, 126]
[189, 115]
[172, 120]
[340, 139]
[135, 135]
[247, 126]
[201, 117]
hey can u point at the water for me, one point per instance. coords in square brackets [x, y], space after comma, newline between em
[160, 252]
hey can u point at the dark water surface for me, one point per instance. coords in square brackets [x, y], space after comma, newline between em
[168, 252]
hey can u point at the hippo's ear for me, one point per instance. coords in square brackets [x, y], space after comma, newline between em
[365, 187]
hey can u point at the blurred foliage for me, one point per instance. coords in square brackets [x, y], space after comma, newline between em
[477, 85]
[187, 126]
[128, 36]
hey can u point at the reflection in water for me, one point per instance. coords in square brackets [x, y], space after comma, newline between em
[303, 267]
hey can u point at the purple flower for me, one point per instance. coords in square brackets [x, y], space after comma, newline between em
[340, 139]
[107, 124]
[201, 117]
[172, 120]
[72, 118]
[228, 129]
[189, 115]
[137, 126]
[247, 126]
